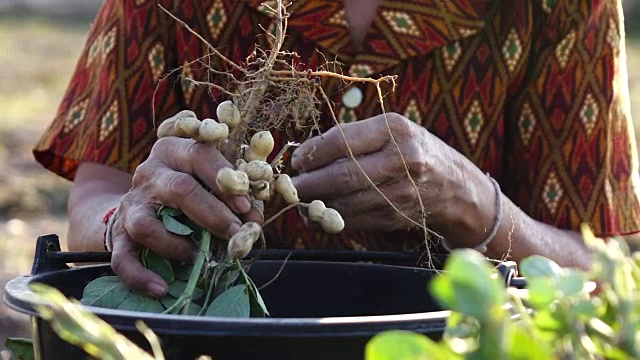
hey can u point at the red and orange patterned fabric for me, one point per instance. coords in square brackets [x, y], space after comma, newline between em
[533, 92]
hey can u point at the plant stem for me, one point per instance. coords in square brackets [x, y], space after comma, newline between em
[197, 268]
[519, 307]
[212, 285]
[285, 209]
[262, 82]
[184, 300]
[278, 158]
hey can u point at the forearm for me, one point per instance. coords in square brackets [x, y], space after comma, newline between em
[472, 211]
[520, 236]
[96, 190]
[86, 228]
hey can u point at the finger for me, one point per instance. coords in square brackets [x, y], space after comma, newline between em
[362, 137]
[182, 191]
[203, 162]
[345, 176]
[143, 227]
[125, 263]
[401, 195]
[256, 214]
[378, 221]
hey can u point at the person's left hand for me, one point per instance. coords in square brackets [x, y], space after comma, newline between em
[442, 177]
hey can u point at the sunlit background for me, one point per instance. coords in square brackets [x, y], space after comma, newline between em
[39, 43]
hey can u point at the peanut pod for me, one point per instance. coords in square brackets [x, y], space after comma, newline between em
[260, 190]
[212, 131]
[228, 113]
[232, 182]
[242, 242]
[168, 127]
[284, 187]
[251, 156]
[331, 221]
[257, 170]
[187, 127]
[261, 145]
[240, 163]
[315, 210]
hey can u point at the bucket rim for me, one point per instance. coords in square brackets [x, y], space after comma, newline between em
[20, 298]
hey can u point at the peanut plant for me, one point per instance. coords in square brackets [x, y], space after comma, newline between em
[560, 315]
[266, 93]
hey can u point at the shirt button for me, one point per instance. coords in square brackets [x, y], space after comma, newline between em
[352, 98]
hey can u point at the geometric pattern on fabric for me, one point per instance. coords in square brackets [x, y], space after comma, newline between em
[512, 50]
[530, 91]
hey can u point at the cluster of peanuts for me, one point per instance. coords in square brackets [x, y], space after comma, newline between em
[252, 175]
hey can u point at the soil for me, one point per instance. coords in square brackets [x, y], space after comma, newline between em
[32, 203]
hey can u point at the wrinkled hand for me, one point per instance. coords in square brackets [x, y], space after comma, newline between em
[170, 177]
[327, 173]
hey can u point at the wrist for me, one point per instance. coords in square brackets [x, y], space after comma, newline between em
[108, 220]
[471, 214]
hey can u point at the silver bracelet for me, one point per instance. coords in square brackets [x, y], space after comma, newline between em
[482, 247]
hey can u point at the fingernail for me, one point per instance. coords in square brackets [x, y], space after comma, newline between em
[156, 289]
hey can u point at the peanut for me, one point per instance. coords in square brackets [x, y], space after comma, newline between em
[331, 221]
[232, 182]
[212, 131]
[228, 113]
[284, 186]
[242, 242]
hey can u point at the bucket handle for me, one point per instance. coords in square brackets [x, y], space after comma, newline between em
[50, 257]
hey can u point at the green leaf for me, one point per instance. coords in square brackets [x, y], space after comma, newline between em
[615, 353]
[403, 345]
[461, 297]
[231, 303]
[597, 308]
[158, 265]
[167, 301]
[176, 289]
[535, 266]
[167, 211]
[182, 272]
[106, 291]
[524, 346]
[225, 281]
[142, 303]
[470, 285]
[194, 309]
[460, 326]
[175, 226]
[542, 291]
[258, 307]
[571, 282]
[22, 349]
[545, 320]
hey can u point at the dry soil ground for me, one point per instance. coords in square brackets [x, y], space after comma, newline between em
[36, 56]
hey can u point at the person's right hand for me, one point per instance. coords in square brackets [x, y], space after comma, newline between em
[170, 177]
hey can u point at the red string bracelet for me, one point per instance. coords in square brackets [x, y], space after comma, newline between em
[105, 221]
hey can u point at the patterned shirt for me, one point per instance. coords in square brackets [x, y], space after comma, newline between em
[533, 92]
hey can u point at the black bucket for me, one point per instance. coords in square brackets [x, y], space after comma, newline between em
[320, 309]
